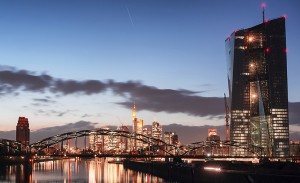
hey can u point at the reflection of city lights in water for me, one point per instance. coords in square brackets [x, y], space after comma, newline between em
[216, 169]
[92, 172]
[79, 170]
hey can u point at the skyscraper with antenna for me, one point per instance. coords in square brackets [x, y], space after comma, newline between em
[258, 93]
[137, 128]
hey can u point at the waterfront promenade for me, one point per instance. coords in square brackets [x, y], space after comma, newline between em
[220, 171]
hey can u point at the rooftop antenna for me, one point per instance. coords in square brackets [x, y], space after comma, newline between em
[133, 111]
[263, 5]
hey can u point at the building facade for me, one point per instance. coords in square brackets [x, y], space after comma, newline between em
[147, 133]
[213, 135]
[172, 139]
[23, 131]
[257, 80]
[295, 148]
[124, 144]
[156, 130]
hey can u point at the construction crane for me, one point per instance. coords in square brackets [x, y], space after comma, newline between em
[226, 117]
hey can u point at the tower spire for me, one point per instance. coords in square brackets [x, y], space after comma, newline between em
[263, 5]
[133, 111]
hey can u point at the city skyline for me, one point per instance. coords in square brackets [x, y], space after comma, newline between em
[91, 61]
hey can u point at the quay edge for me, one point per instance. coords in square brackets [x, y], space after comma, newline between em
[229, 171]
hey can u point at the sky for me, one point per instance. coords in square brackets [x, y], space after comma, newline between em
[65, 61]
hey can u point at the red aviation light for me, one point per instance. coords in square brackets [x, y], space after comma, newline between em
[284, 16]
[285, 50]
[263, 5]
[266, 21]
[235, 31]
[267, 50]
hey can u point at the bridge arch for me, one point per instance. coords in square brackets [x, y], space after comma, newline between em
[169, 149]
[56, 139]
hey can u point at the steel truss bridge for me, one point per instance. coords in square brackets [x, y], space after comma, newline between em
[169, 149]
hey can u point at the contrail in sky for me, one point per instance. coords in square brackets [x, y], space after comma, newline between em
[129, 16]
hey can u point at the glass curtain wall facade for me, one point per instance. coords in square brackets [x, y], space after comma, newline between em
[257, 80]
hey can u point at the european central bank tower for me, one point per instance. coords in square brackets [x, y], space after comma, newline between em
[258, 90]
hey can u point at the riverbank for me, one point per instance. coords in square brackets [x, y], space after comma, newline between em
[219, 171]
[11, 160]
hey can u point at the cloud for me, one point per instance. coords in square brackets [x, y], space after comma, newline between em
[21, 79]
[86, 116]
[148, 97]
[71, 86]
[172, 101]
[12, 80]
[52, 112]
[43, 100]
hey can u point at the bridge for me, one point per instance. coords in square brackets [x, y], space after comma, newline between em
[150, 145]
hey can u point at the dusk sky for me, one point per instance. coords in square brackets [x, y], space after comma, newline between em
[66, 61]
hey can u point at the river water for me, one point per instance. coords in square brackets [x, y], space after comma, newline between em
[74, 170]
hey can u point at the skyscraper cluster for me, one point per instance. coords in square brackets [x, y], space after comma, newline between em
[113, 142]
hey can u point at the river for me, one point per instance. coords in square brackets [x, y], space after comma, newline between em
[74, 170]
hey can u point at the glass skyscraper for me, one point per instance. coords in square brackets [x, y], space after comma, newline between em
[257, 80]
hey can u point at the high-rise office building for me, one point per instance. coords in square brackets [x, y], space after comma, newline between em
[171, 138]
[23, 131]
[147, 133]
[156, 130]
[124, 141]
[257, 80]
[137, 128]
[213, 135]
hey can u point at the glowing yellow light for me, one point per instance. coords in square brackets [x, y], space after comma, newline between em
[250, 39]
[251, 65]
[217, 169]
[253, 96]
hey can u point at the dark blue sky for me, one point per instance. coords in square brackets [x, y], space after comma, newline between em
[172, 48]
